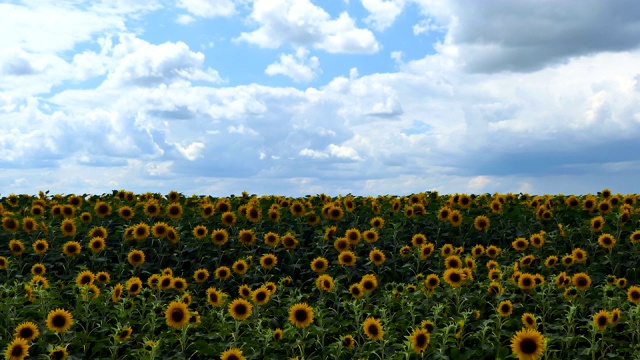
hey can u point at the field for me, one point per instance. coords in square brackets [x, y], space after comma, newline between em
[422, 276]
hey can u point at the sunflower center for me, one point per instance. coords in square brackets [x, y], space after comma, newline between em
[455, 277]
[528, 346]
[59, 321]
[373, 330]
[26, 333]
[367, 285]
[421, 340]
[261, 296]
[177, 315]
[241, 309]
[300, 315]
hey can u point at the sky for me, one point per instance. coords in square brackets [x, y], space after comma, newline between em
[302, 97]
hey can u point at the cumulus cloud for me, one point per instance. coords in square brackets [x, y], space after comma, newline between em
[298, 67]
[382, 14]
[303, 24]
[523, 36]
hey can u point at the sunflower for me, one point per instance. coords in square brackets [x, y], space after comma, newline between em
[373, 328]
[505, 308]
[495, 274]
[85, 278]
[377, 222]
[201, 275]
[614, 317]
[348, 341]
[36, 269]
[289, 241]
[29, 225]
[341, 244]
[621, 283]
[377, 257]
[254, 214]
[635, 237]
[245, 291]
[27, 331]
[271, 239]
[134, 285]
[529, 320]
[297, 208]
[16, 247]
[18, 349]
[223, 273]
[568, 260]
[261, 295]
[277, 335]
[232, 354]
[356, 290]
[604, 206]
[102, 209]
[495, 289]
[319, 264]
[37, 210]
[247, 237]
[551, 261]
[335, 213]
[58, 353]
[174, 211]
[477, 251]
[347, 258]
[219, 236]
[601, 320]
[177, 314]
[103, 277]
[160, 229]
[453, 262]
[481, 223]
[455, 218]
[353, 236]
[597, 223]
[301, 315]
[324, 283]
[200, 231]
[454, 277]
[528, 344]
[370, 236]
[116, 293]
[136, 257]
[228, 218]
[240, 267]
[274, 215]
[165, 282]
[418, 240]
[607, 241]
[581, 281]
[527, 261]
[330, 232]
[420, 339]
[214, 297]
[447, 250]
[59, 320]
[141, 231]
[11, 225]
[126, 212]
[71, 248]
[526, 282]
[124, 334]
[432, 281]
[520, 244]
[492, 251]
[633, 294]
[97, 244]
[3, 263]
[240, 309]
[179, 283]
[98, 231]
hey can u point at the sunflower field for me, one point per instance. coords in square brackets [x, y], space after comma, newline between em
[422, 276]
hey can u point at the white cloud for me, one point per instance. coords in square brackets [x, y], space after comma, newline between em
[184, 19]
[303, 24]
[192, 151]
[382, 13]
[208, 8]
[298, 67]
[143, 64]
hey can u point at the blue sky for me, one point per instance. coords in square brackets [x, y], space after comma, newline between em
[298, 97]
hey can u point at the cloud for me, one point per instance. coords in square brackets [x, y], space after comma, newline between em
[382, 14]
[143, 64]
[208, 8]
[303, 24]
[524, 36]
[298, 67]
